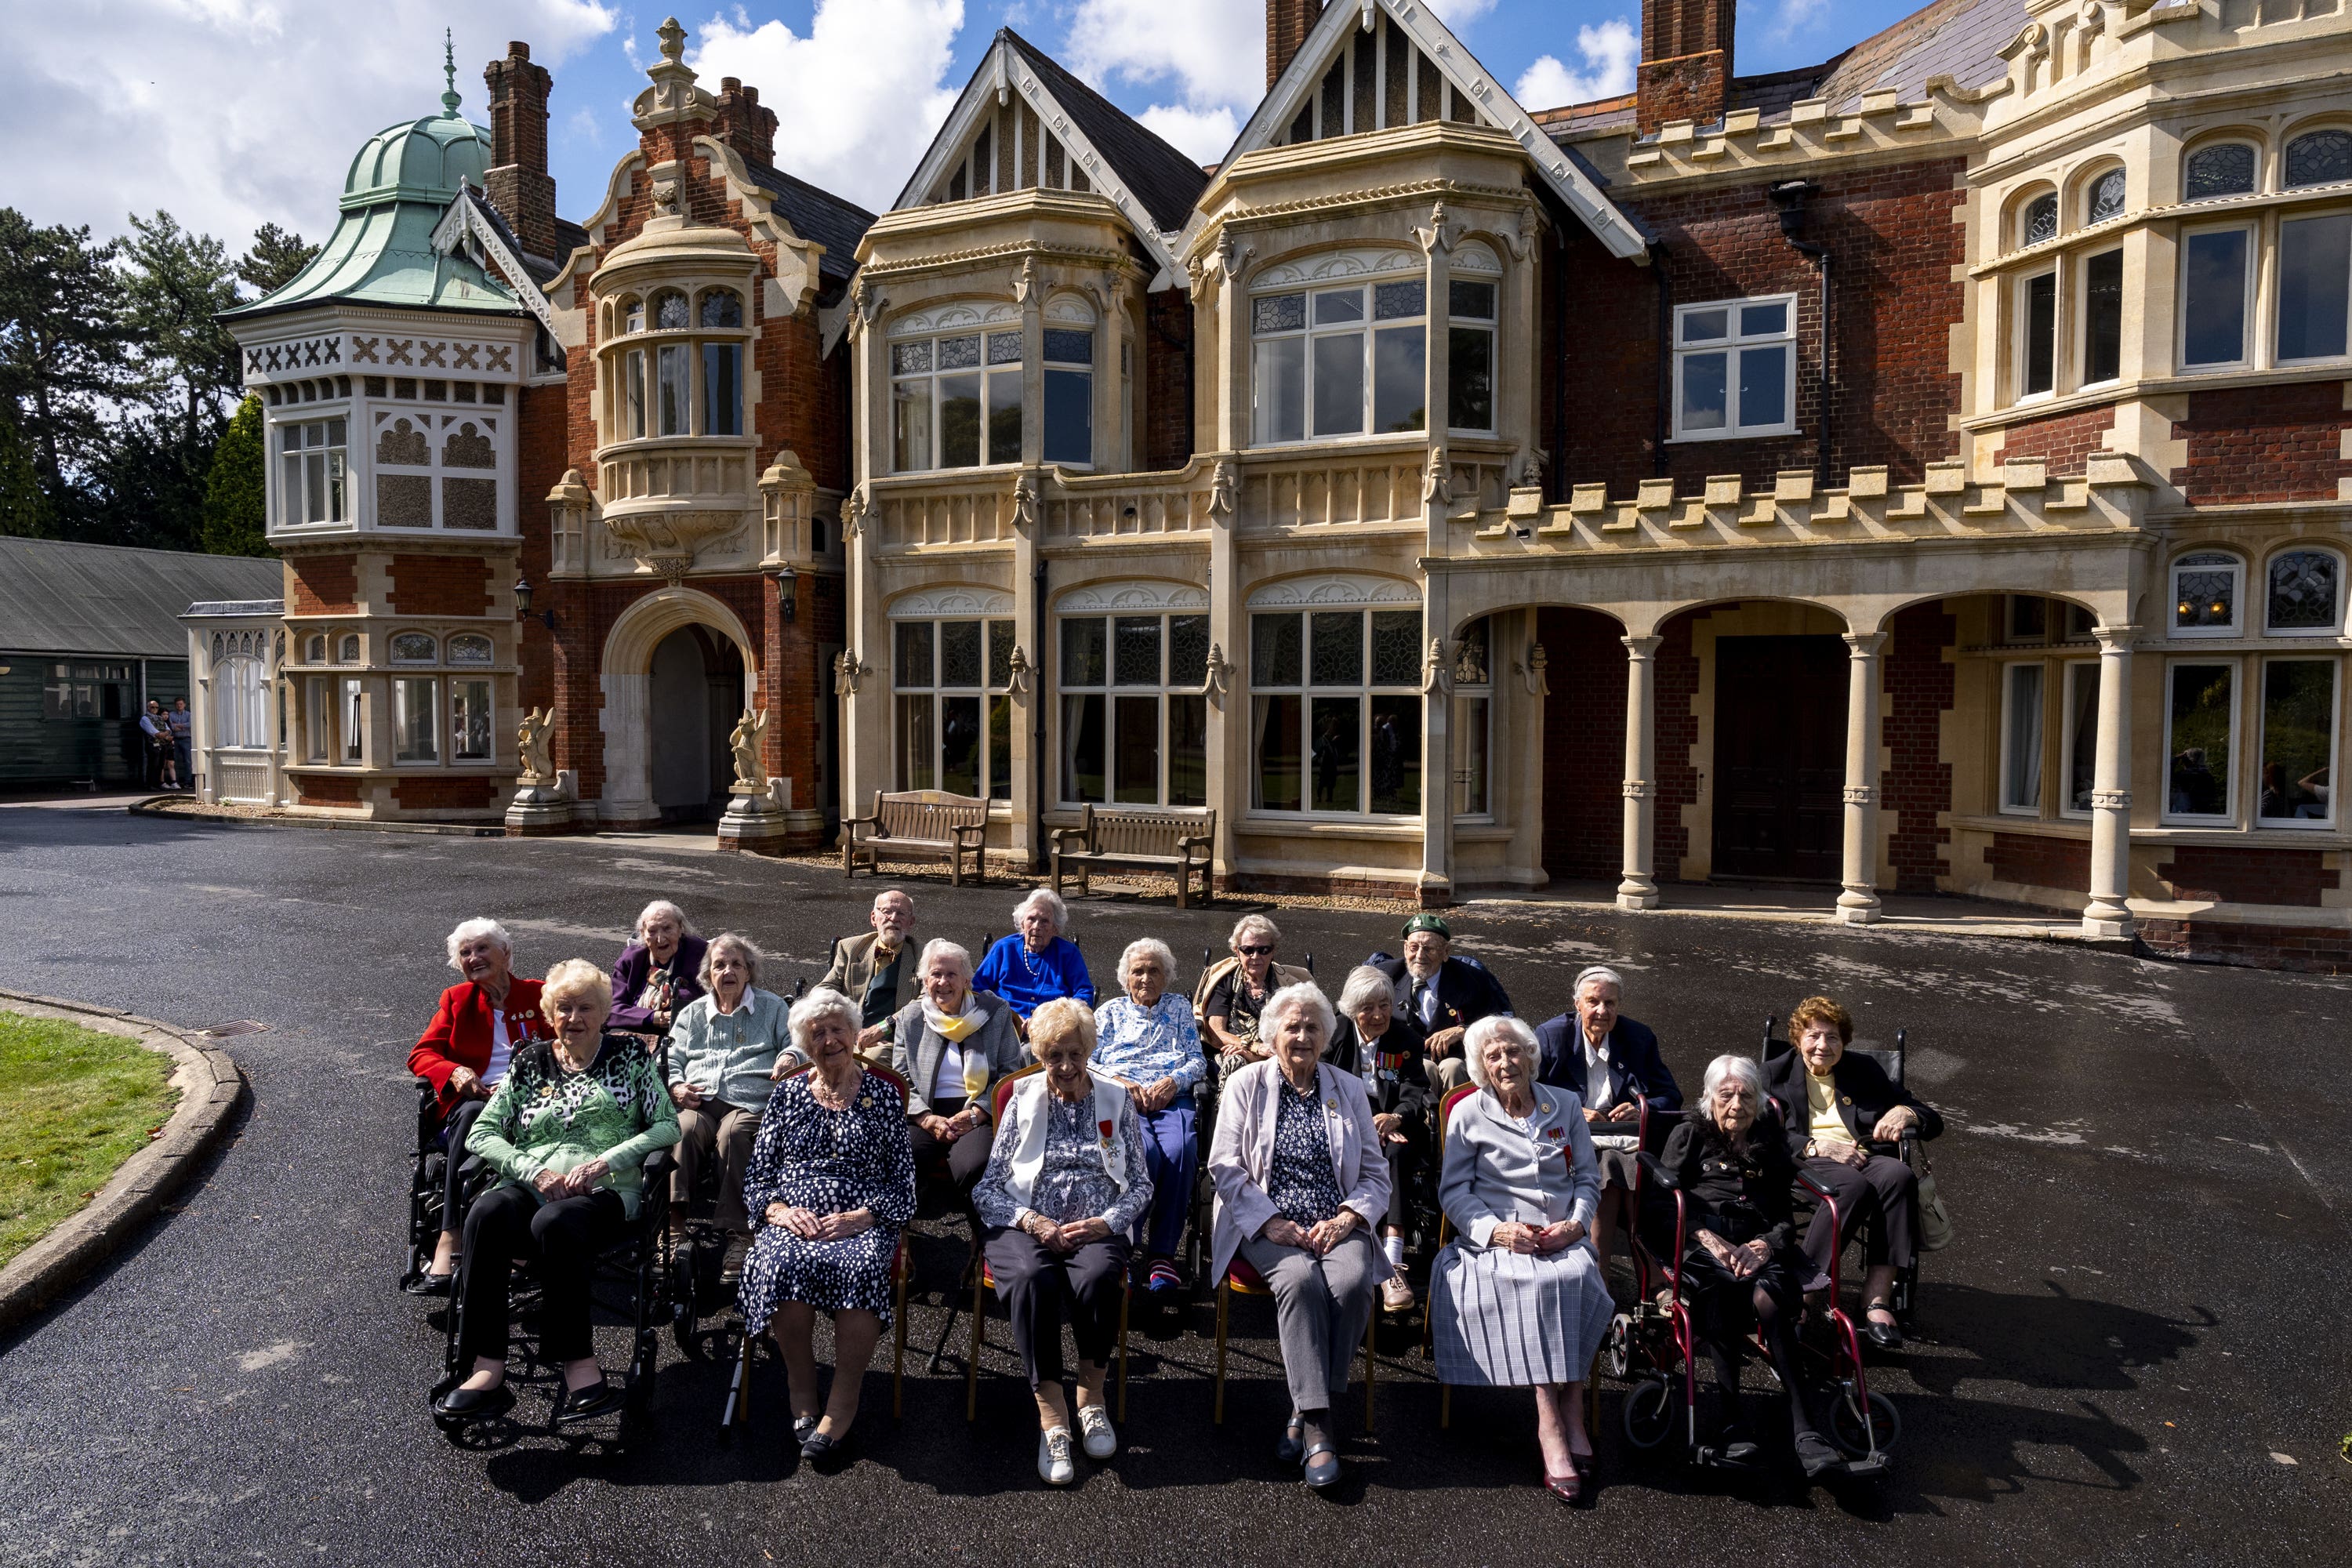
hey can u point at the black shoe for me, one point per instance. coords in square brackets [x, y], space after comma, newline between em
[1734, 1444]
[1885, 1336]
[475, 1403]
[825, 1450]
[1292, 1448]
[431, 1284]
[1818, 1457]
[802, 1426]
[586, 1403]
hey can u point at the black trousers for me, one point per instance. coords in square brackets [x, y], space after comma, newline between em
[1404, 1159]
[1042, 1286]
[1724, 1307]
[1882, 1198]
[461, 1122]
[561, 1240]
[959, 1163]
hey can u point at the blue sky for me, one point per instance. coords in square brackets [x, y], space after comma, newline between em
[234, 112]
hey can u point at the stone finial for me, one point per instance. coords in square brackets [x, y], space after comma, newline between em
[673, 41]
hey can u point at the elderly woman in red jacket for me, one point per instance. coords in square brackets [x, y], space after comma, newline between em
[480, 1024]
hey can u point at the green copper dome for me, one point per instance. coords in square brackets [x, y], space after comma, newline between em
[418, 159]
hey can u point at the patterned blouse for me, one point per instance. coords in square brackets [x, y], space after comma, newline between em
[831, 1161]
[1300, 1181]
[1072, 1184]
[1146, 1046]
[544, 1117]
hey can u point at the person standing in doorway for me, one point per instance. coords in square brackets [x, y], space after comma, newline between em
[184, 726]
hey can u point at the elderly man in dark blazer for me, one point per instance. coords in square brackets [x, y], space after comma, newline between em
[877, 969]
[1440, 994]
[1612, 1062]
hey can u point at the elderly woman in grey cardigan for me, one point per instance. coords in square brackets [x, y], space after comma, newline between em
[1517, 1298]
[1301, 1186]
[949, 1046]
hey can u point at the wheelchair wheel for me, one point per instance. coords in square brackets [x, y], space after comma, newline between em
[1617, 1350]
[1649, 1412]
[1847, 1429]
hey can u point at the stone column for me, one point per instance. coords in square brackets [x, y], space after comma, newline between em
[1436, 734]
[1858, 904]
[2109, 914]
[1639, 890]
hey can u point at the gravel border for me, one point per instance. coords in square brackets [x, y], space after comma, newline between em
[209, 1085]
[181, 808]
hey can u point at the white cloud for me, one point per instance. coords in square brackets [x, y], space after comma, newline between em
[861, 96]
[1611, 51]
[1213, 50]
[232, 113]
[1454, 13]
[1202, 135]
[1794, 16]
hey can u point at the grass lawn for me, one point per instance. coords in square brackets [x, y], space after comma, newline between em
[74, 1104]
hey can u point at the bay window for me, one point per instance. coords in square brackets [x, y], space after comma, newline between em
[312, 468]
[956, 401]
[319, 720]
[1335, 362]
[1335, 719]
[1470, 354]
[2021, 739]
[2037, 335]
[1134, 721]
[2102, 317]
[2315, 286]
[690, 385]
[1736, 369]
[952, 720]
[2082, 717]
[1069, 398]
[355, 721]
[2215, 281]
[2298, 744]
[2200, 724]
[416, 719]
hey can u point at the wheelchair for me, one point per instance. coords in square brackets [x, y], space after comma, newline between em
[1908, 1149]
[427, 1182]
[1655, 1343]
[635, 1263]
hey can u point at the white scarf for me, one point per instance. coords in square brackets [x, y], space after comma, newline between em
[1029, 1156]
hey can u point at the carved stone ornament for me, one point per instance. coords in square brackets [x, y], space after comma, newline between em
[669, 541]
[1531, 470]
[532, 738]
[1860, 795]
[1537, 661]
[1437, 479]
[846, 668]
[750, 732]
[666, 197]
[1027, 496]
[1439, 236]
[1220, 678]
[855, 513]
[1636, 789]
[1222, 480]
[1437, 675]
[2111, 800]
[1024, 281]
[1233, 256]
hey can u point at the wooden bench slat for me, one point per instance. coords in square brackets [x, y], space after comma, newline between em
[1176, 841]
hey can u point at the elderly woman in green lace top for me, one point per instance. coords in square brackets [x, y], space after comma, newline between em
[569, 1128]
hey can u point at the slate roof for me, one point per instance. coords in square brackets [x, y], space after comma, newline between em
[1959, 38]
[61, 597]
[1165, 180]
[817, 214]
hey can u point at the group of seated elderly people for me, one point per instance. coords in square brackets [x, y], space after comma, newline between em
[822, 1116]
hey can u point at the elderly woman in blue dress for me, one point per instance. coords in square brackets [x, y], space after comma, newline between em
[1065, 1184]
[833, 1183]
[1036, 963]
[1301, 1185]
[1517, 1297]
[1148, 1041]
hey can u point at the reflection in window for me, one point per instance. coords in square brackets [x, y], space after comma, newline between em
[413, 648]
[953, 724]
[2039, 220]
[1134, 718]
[2102, 316]
[1340, 362]
[2037, 328]
[2298, 742]
[2303, 591]
[469, 720]
[1069, 398]
[2107, 199]
[1735, 368]
[1470, 355]
[2197, 740]
[956, 401]
[1346, 735]
[2227, 170]
[2315, 286]
[416, 719]
[2321, 158]
[2205, 592]
[470, 648]
[2214, 291]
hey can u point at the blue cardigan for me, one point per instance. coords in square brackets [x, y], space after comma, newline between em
[1059, 971]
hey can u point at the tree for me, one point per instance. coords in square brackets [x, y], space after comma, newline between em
[277, 256]
[235, 518]
[23, 509]
[173, 284]
[63, 333]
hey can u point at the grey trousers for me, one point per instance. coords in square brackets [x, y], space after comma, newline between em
[1321, 1308]
[728, 1130]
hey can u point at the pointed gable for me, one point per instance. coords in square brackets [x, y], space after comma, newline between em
[1022, 122]
[1371, 65]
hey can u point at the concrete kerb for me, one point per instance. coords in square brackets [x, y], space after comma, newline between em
[179, 811]
[209, 1085]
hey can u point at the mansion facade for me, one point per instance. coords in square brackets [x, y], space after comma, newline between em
[1925, 472]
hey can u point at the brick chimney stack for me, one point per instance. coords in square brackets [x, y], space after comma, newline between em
[1685, 71]
[1287, 23]
[517, 181]
[744, 125]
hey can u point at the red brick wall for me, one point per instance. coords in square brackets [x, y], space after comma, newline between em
[1583, 746]
[445, 795]
[2031, 860]
[1676, 783]
[1609, 376]
[438, 585]
[311, 789]
[1692, 87]
[2314, 948]
[1895, 300]
[2263, 443]
[2061, 440]
[542, 419]
[1167, 350]
[1916, 785]
[2247, 876]
[324, 585]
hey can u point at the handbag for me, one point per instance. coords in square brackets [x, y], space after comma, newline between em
[1935, 1219]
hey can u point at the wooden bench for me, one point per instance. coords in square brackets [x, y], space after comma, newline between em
[919, 825]
[1179, 841]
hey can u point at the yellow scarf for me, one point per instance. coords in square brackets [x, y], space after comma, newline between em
[956, 1030]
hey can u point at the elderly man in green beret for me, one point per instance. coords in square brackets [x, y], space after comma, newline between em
[1440, 994]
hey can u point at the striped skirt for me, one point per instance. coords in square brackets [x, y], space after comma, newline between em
[1508, 1319]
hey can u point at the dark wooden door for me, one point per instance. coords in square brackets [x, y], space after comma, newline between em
[1780, 757]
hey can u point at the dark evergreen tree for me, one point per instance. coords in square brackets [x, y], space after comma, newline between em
[234, 499]
[63, 339]
[276, 258]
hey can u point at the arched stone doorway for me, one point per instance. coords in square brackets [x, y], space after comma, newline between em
[697, 693]
[678, 668]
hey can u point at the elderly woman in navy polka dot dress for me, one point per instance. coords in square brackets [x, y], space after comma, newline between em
[833, 1183]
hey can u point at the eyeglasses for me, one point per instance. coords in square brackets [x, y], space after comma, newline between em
[1255, 952]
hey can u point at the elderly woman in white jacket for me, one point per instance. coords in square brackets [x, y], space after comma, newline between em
[1301, 1188]
[1517, 1296]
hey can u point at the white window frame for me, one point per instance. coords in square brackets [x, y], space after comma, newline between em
[2278, 305]
[2021, 331]
[1110, 689]
[431, 685]
[2304, 547]
[1308, 691]
[240, 710]
[987, 374]
[322, 734]
[2081, 332]
[351, 722]
[2008, 682]
[1474, 718]
[2228, 816]
[2334, 739]
[2186, 562]
[2077, 671]
[1367, 328]
[935, 694]
[2248, 329]
[290, 469]
[1733, 345]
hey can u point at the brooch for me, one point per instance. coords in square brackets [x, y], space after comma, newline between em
[1544, 1106]
[1846, 1099]
[864, 1100]
[1330, 1105]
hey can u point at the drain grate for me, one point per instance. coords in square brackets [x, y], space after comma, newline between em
[237, 1026]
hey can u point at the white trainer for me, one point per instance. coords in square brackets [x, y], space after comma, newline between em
[1054, 1457]
[1101, 1442]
